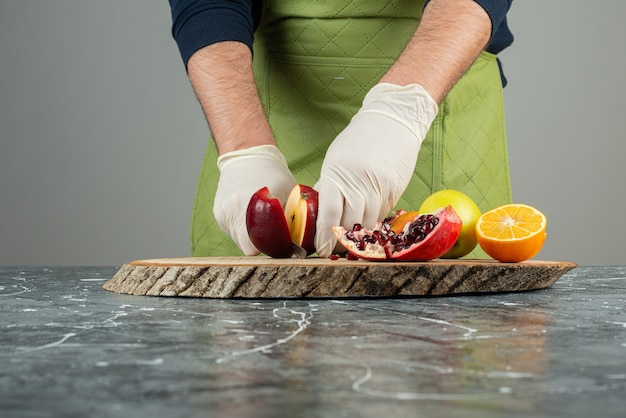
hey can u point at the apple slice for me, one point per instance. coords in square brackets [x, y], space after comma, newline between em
[301, 215]
[267, 226]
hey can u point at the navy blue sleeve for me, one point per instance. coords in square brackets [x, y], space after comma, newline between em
[198, 23]
[496, 9]
[501, 36]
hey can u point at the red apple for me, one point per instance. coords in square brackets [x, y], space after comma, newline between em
[267, 226]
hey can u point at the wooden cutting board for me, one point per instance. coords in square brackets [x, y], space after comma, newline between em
[264, 277]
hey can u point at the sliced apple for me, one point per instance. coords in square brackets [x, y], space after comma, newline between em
[267, 226]
[301, 215]
[283, 233]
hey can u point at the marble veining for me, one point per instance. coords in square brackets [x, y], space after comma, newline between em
[69, 348]
[302, 319]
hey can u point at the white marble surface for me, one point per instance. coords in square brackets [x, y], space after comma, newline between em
[69, 348]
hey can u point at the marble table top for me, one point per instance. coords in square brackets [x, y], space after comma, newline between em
[68, 348]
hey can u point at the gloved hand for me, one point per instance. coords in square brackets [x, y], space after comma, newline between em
[242, 173]
[369, 165]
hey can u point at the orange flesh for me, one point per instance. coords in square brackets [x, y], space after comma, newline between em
[512, 233]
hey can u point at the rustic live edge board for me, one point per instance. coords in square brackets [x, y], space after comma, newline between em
[264, 277]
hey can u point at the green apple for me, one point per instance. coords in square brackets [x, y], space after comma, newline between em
[467, 210]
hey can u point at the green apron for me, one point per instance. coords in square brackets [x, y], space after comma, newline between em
[315, 61]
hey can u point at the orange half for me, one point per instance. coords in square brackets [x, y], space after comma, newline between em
[512, 233]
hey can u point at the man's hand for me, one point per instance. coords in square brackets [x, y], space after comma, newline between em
[242, 173]
[370, 163]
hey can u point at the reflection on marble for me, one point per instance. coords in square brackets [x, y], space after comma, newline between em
[69, 348]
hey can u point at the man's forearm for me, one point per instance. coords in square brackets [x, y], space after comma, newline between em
[449, 38]
[221, 75]
[451, 34]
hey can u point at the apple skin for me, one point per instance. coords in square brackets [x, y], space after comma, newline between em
[467, 210]
[267, 227]
[301, 216]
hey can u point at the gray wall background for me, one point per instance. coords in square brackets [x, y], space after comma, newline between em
[102, 137]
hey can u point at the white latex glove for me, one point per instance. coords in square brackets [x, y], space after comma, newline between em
[242, 173]
[369, 165]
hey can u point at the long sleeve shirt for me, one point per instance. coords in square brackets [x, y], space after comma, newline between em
[198, 23]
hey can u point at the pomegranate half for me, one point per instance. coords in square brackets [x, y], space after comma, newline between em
[425, 237]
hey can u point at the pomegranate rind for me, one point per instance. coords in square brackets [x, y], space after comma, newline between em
[438, 242]
[267, 226]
